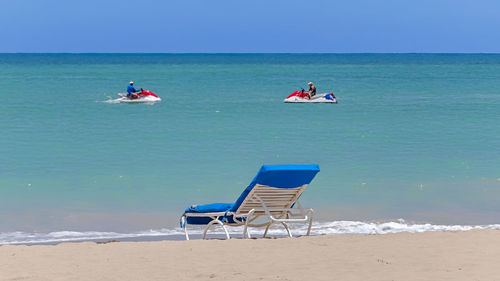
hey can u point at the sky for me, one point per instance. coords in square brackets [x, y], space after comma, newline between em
[250, 26]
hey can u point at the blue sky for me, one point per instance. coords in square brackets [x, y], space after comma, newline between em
[250, 26]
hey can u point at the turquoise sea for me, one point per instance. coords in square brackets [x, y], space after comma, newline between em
[413, 137]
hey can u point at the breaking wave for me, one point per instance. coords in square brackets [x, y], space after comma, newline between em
[319, 228]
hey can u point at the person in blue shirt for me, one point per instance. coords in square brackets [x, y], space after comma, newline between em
[132, 93]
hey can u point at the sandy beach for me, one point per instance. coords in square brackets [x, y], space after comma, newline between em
[469, 255]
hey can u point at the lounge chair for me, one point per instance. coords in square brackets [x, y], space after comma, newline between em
[272, 196]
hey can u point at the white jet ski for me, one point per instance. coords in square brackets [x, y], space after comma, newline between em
[301, 97]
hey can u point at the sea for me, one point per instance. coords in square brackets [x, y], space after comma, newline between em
[412, 145]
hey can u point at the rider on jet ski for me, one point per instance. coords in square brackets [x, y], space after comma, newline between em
[132, 93]
[312, 91]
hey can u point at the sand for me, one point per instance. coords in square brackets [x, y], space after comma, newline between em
[469, 255]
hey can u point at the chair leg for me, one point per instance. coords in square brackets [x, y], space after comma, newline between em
[184, 225]
[225, 230]
[267, 228]
[311, 215]
[246, 234]
[287, 229]
[217, 221]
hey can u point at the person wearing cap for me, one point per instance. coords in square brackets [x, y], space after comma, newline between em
[312, 89]
[131, 91]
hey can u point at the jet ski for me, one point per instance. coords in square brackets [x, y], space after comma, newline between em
[301, 97]
[144, 96]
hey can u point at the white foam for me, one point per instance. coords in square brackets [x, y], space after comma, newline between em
[355, 227]
[319, 228]
[143, 100]
[65, 236]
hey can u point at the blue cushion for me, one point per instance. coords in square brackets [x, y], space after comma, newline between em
[208, 208]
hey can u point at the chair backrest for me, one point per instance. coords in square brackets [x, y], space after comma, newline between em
[274, 198]
[276, 182]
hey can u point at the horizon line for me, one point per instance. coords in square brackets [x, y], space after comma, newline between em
[255, 53]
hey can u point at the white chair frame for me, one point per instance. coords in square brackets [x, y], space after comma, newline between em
[274, 204]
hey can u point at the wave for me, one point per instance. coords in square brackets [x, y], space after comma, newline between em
[319, 228]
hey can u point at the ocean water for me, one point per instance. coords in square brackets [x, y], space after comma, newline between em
[413, 137]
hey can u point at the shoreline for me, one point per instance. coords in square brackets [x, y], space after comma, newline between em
[175, 234]
[457, 255]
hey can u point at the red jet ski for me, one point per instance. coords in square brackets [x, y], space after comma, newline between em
[144, 96]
